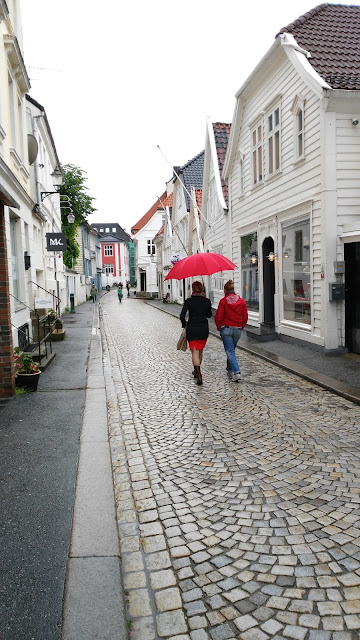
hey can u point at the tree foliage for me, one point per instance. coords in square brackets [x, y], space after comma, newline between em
[78, 202]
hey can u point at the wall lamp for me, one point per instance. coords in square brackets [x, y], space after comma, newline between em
[254, 259]
[286, 255]
[57, 177]
[271, 256]
[27, 260]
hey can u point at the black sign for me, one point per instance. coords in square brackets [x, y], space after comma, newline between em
[56, 242]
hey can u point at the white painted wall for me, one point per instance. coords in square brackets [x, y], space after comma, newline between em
[143, 259]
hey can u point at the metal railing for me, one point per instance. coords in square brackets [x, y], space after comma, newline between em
[44, 332]
[57, 304]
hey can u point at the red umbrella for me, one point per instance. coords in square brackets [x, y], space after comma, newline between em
[200, 264]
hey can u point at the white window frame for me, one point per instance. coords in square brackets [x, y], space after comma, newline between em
[108, 250]
[240, 171]
[273, 141]
[298, 107]
[151, 248]
[257, 153]
[108, 267]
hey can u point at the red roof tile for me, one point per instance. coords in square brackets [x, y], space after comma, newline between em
[160, 232]
[168, 200]
[222, 133]
[145, 219]
[331, 33]
[198, 196]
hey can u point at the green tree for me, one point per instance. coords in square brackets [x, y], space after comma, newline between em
[81, 206]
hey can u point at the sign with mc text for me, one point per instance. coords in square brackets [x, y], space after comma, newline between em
[56, 242]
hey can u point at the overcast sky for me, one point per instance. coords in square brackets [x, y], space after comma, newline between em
[118, 78]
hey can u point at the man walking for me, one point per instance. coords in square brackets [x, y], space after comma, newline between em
[93, 292]
[128, 287]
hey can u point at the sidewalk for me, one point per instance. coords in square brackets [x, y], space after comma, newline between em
[54, 454]
[337, 373]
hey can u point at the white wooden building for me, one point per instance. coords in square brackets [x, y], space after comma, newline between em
[293, 167]
[143, 233]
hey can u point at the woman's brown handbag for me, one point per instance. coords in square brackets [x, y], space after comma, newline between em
[182, 342]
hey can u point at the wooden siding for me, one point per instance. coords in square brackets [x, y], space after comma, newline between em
[295, 183]
[347, 169]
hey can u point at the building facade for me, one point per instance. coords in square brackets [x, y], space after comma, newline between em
[292, 161]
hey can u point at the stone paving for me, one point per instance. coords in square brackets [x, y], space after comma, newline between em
[238, 505]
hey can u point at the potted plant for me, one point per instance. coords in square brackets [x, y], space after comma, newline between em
[28, 372]
[53, 317]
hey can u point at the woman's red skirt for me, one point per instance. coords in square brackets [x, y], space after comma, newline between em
[197, 344]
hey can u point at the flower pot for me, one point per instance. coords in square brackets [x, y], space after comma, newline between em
[28, 380]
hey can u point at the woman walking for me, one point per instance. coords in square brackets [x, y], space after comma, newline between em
[120, 292]
[230, 318]
[197, 326]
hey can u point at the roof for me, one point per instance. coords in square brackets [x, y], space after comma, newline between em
[111, 238]
[159, 233]
[331, 34]
[168, 200]
[191, 175]
[145, 219]
[198, 196]
[221, 135]
[119, 234]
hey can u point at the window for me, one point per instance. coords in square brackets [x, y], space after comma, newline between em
[250, 271]
[273, 133]
[108, 250]
[257, 154]
[101, 229]
[108, 268]
[240, 168]
[107, 229]
[296, 272]
[300, 133]
[298, 109]
[13, 114]
[14, 260]
[211, 205]
[113, 229]
[298, 245]
[150, 248]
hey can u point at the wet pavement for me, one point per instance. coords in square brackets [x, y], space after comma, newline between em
[339, 372]
[238, 504]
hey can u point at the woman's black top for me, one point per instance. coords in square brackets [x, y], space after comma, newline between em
[199, 308]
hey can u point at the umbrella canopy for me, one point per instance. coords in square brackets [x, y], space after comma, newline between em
[200, 264]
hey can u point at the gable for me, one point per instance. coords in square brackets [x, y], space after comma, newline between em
[331, 34]
[147, 217]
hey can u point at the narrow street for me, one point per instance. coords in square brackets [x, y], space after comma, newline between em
[238, 504]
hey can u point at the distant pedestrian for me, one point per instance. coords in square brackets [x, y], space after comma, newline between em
[128, 287]
[93, 293]
[230, 318]
[197, 326]
[120, 292]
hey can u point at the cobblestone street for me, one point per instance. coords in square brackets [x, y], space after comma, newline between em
[238, 504]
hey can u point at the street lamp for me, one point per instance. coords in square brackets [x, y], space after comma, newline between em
[58, 179]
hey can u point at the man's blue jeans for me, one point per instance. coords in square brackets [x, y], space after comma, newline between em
[230, 337]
